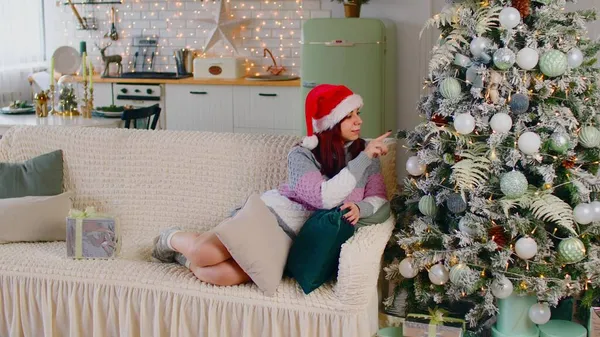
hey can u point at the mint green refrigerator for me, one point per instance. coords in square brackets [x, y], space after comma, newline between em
[360, 54]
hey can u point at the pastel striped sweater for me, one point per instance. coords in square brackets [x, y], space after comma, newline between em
[307, 189]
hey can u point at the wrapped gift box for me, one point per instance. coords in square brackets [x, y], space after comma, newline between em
[91, 235]
[594, 323]
[434, 325]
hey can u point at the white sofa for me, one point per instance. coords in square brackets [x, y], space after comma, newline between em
[155, 179]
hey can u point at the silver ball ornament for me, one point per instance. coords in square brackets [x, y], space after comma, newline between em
[559, 142]
[438, 274]
[502, 287]
[414, 166]
[589, 137]
[513, 184]
[571, 250]
[428, 206]
[553, 63]
[407, 268]
[479, 45]
[458, 272]
[529, 143]
[575, 57]
[462, 60]
[501, 122]
[504, 58]
[595, 205]
[526, 248]
[510, 17]
[464, 123]
[539, 313]
[455, 203]
[527, 58]
[583, 214]
[519, 103]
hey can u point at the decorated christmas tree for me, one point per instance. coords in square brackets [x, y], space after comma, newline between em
[503, 191]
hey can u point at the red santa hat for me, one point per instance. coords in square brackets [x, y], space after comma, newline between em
[327, 105]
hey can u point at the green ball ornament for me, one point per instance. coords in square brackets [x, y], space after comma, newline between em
[571, 250]
[427, 206]
[589, 137]
[456, 204]
[450, 88]
[559, 142]
[513, 184]
[554, 63]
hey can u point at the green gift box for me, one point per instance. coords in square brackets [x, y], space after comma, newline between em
[436, 324]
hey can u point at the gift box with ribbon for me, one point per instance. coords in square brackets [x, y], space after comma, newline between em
[594, 322]
[91, 235]
[436, 324]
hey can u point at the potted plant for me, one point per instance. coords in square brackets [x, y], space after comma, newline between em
[352, 7]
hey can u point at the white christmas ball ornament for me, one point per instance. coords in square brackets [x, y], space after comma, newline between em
[464, 123]
[510, 17]
[575, 57]
[583, 214]
[527, 58]
[526, 248]
[502, 287]
[501, 122]
[438, 274]
[595, 210]
[479, 45]
[414, 167]
[539, 313]
[407, 268]
[529, 143]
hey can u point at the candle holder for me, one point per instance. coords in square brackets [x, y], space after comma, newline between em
[90, 104]
[51, 97]
[86, 112]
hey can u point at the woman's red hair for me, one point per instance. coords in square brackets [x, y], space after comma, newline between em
[330, 151]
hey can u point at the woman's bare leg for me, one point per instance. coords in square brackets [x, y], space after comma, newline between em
[200, 249]
[227, 273]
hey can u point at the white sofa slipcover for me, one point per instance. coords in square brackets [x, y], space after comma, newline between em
[155, 179]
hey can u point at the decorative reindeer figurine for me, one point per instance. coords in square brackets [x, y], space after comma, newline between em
[110, 59]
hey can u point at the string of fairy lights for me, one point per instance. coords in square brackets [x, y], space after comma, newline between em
[263, 24]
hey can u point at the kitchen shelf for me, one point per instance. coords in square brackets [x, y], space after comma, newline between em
[116, 2]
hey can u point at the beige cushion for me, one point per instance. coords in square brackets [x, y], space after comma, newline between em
[34, 218]
[257, 243]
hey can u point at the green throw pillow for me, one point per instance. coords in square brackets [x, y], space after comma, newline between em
[40, 176]
[382, 214]
[314, 255]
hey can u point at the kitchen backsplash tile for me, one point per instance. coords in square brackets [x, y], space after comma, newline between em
[179, 24]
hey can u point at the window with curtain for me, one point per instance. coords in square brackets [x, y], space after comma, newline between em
[21, 46]
[22, 35]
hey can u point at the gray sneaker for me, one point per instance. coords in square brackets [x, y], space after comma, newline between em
[179, 258]
[161, 250]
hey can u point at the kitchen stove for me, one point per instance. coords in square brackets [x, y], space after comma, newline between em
[141, 95]
[153, 75]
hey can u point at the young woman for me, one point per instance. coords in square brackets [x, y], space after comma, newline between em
[332, 167]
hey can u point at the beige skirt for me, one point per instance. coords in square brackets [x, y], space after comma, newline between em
[257, 243]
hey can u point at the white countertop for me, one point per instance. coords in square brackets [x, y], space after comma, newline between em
[8, 121]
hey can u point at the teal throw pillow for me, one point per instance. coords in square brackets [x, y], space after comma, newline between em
[314, 255]
[39, 176]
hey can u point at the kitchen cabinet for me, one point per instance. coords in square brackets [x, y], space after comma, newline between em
[103, 94]
[234, 108]
[199, 107]
[270, 110]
